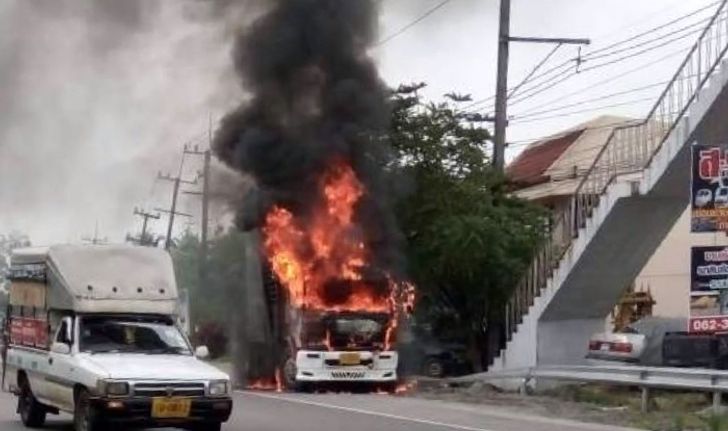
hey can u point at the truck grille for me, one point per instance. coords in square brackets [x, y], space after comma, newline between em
[161, 389]
[337, 363]
[348, 374]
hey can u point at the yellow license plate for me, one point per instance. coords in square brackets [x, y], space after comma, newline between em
[349, 359]
[171, 407]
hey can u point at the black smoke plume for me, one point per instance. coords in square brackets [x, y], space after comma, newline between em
[315, 98]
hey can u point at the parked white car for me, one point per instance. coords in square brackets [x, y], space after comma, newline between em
[640, 342]
[703, 197]
[721, 197]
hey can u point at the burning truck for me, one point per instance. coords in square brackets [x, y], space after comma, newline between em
[337, 315]
[310, 135]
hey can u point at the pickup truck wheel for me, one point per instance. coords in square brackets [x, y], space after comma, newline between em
[84, 415]
[32, 413]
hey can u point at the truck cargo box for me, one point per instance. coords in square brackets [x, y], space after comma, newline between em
[94, 279]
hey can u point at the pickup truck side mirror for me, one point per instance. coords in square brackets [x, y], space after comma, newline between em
[202, 352]
[61, 348]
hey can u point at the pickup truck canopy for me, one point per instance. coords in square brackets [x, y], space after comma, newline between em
[102, 278]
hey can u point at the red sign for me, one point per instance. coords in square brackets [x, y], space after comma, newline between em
[709, 324]
[29, 332]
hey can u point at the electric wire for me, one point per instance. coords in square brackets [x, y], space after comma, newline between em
[412, 24]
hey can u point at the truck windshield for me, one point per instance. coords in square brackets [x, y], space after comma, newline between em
[110, 335]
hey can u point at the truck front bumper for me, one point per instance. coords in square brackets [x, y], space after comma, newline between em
[138, 411]
[346, 374]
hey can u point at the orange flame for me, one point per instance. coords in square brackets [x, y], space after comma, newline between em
[326, 250]
[274, 383]
[262, 385]
[279, 381]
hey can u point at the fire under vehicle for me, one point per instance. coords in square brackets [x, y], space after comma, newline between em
[94, 331]
[332, 347]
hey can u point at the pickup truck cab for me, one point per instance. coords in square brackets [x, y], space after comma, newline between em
[94, 331]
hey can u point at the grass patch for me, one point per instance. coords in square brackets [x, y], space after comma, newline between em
[669, 411]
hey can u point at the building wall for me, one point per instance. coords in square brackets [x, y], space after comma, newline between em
[667, 273]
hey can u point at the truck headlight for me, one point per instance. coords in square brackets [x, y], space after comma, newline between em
[114, 389]
[218, 388]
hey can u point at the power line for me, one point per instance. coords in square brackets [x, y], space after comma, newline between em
[413, 23]
[654, 29]
[585, 57]
[533, 113]
[608, 80]
[581, 111]
[551, 84]
[543, 88]
[695, 28]
[635, 54]
[530, 74]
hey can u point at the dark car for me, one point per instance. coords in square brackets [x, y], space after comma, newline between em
[423, 354]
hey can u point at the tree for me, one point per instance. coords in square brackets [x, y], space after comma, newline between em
[8, 242]
[468, 240]
[209, 304]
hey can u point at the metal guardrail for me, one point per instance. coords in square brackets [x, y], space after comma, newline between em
[690, 379]
[630, 148]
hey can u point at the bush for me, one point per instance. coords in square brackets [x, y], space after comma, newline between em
[214, 336]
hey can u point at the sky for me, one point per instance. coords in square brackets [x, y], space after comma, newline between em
[97, 97]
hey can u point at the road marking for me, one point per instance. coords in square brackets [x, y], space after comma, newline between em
[364, 412]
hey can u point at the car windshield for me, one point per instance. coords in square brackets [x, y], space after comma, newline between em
[110, 335]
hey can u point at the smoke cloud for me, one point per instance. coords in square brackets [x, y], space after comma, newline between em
[315, 98]
[98, 96]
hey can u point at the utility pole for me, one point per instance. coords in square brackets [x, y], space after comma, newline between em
[204, 227]
[95, 240]
[205, 194]
[144, 238]
[501, 97]
[173, 208]
[501, 94]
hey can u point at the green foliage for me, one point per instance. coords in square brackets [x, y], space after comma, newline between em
[9, 242]
[715, 423]
[468, 240]
[208, 303]
[678, 423]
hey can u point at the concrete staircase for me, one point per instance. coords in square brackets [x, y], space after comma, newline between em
[626, 204]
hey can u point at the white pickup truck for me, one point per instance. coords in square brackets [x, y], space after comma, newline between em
[94, 331]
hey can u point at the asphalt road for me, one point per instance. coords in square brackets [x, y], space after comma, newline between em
[256, 411]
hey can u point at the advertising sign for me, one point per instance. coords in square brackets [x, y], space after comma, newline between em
[29, 332]
[709, 191]
[709, 289]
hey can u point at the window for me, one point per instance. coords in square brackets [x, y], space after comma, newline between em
[63, 330]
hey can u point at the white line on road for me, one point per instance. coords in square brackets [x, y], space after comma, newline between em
[364, 412]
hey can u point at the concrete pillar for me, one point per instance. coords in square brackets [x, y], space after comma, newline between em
[645, 404]
[717, 398]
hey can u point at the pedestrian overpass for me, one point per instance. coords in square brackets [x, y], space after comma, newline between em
[623, 208]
